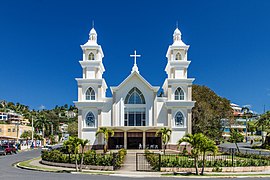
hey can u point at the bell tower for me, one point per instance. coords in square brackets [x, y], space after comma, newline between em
[177, 57]
[177, 86]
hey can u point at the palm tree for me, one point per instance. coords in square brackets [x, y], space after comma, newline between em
[165, 136]
[207, 145]
[83, 144]
[247, 113]
[236, 137]
[42, 122]
[195, 141]
[106, 134]
[264, 121]
[73, 144]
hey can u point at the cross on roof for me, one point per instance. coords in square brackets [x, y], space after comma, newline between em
[135, 55]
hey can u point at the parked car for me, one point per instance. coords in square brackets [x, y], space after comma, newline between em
[8, 150]
[13, 148]
[2, 151]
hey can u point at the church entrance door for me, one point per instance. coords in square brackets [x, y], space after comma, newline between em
[117, 141]
[134, 140]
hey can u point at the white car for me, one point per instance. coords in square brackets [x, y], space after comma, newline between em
[46, 148]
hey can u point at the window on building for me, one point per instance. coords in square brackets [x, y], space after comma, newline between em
[91, 56]
[9, 130]
[90, 94]
[178, 56]
[179, 94]
[90, 120]
[135, 117]
[134, 96]
[179, 119]
[0, 129]
[13, 130]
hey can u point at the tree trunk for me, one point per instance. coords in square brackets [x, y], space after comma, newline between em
[76, 162]
[203, 164]
[196, 165]
[165, 145]
[82, 160]
[237, 147]
[43, 129]
[105, 146]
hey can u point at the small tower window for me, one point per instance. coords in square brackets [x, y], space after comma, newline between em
[178, 56]
[90, 120]
[90, 94]
[179, 94]
[91, 56]
[179, 119]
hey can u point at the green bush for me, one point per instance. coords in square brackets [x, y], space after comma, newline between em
[90, 158]
[173, 160]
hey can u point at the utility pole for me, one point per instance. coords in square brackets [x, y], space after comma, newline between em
[32, 131]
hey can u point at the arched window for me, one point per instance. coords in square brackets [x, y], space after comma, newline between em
[179, 119]
[90, 120]
[90, 94]
[178, 56]
[134, 96]
[179, 94]
[91, 56]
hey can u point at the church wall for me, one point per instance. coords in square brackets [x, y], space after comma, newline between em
[176, 135]
[121, 95]
[162, 117]
[106, 113]
[91, 136]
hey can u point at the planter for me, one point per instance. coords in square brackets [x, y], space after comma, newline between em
[87, 167]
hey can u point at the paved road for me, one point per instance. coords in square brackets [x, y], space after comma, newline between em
[244, 148]
[8, 172]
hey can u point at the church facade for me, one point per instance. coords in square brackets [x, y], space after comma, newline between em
[135, 111]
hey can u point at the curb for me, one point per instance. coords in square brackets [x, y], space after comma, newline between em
[135, 175]
[41, 170]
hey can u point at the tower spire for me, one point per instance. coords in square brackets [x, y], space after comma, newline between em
[93, 33]
[135, 67]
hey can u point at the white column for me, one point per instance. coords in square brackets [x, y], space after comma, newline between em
[80, 123]
[189, 120]
[144, 139]
[125, 140]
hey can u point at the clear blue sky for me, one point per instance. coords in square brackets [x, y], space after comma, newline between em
[40, 46]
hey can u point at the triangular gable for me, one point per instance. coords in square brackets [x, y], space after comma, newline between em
[154, 88]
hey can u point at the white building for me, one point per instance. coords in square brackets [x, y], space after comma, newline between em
[134, 111]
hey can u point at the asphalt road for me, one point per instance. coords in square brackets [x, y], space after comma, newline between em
[8, 172]
[244, 148]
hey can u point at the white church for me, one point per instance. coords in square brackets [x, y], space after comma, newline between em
[135, 111]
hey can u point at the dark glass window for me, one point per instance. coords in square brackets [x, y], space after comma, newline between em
[134, 96]
[90, 120]
[179, 119]
[90, 94]
[179, 94]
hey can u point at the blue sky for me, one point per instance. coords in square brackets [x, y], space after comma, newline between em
[40, 46]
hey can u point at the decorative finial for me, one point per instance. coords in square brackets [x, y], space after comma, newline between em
[93, 23]
[177, 24]
[135, 67]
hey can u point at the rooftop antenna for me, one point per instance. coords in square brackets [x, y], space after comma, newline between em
[93, 24]
[177, 24]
